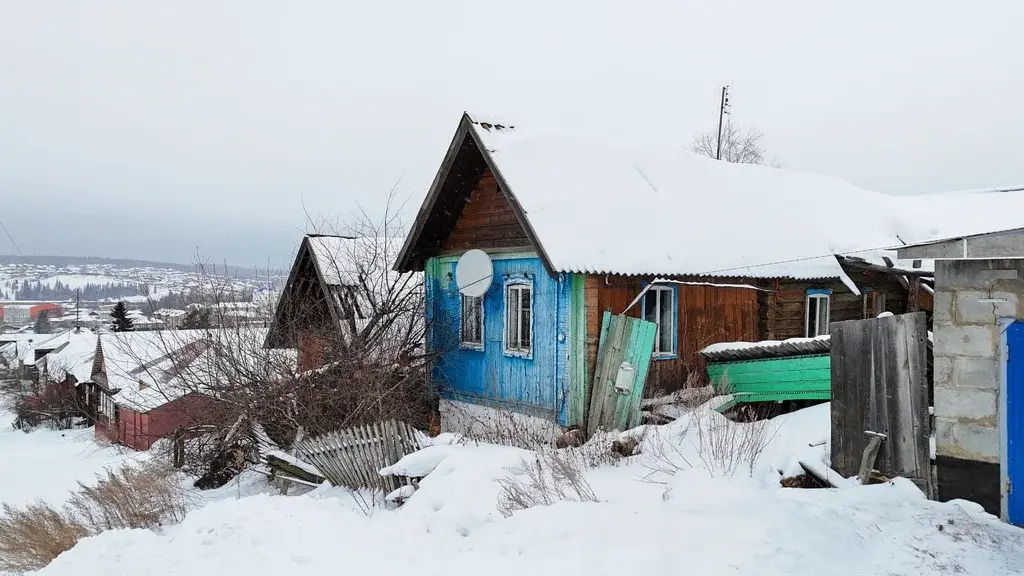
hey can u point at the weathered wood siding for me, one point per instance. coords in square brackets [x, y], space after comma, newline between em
[706, 315]
[487, 221]
[538, 384]
[783, 308]
[879, 384]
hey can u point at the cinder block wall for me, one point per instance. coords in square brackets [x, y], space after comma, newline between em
[967, 365]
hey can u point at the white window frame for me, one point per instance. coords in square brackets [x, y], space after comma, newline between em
[659, 293]
[478, 302]
[516, 285]
[819, 296]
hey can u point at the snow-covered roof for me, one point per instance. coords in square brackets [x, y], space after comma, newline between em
[73, 354]
[601, 208]
[596, 206]
[153, 368]
[339, 259]
[730, 351]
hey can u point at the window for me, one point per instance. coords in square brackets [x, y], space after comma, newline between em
[816, 313]
[472, 322]
[874, 303]
[659, 307]
[518, 318]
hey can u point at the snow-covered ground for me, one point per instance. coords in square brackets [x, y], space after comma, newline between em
[46, 464]
[671, 509]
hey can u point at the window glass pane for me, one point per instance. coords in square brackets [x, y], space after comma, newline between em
[524, 326]
[472, 326]
[512, 315]
[650, 305]
[665, 325]
[812, 316]
[822, 316]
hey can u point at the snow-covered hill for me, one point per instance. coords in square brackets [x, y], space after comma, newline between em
[56, 279]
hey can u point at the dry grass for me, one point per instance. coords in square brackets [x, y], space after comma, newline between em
[147, 496]
[556, 476]
[711, 441]
[501, 427]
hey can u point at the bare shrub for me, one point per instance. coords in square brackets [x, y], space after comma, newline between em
[344, 352]
[556, 476]
[31, 537]
[709, 440]
[724, 447]
[496, 426]
[147, 496]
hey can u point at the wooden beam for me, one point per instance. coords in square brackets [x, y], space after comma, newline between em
[914, 295]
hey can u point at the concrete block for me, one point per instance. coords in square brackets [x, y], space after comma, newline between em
[970, 403]
[974, 341]
[943, 307]
[943, 368]
[966, 440]
[980, 373]
[971, 307]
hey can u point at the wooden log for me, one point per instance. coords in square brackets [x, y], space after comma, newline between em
[284, 466]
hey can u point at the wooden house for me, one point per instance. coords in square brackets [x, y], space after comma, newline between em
[337, 286]
[709, 251]
[318, 294]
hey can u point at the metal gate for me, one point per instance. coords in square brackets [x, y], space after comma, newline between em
[1014, 407]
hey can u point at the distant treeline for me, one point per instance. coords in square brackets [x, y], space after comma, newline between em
[26, 290]
[221, 269]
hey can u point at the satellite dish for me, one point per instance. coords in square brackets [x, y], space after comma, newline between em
[473, 273]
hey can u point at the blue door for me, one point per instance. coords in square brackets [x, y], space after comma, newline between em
[1015, 423]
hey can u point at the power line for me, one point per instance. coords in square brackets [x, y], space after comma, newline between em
[11, 238]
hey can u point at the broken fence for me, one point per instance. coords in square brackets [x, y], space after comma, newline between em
[354, 456]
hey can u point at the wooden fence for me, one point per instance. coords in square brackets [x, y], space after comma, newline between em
[880, 385]
[353, 457]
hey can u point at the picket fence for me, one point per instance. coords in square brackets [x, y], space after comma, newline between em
[353, 457]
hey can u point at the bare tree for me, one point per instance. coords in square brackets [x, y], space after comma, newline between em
[739, 145]
[364, 327]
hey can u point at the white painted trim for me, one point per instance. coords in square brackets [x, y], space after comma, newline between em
[807, 312]
[519, 282]
[1004, 477]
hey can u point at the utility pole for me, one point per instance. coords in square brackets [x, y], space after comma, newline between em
[722, 111]
[78, 308]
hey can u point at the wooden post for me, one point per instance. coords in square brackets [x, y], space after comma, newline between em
[914, 294]
[867, 461]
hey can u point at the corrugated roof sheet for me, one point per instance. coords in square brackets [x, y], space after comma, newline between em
[735, 351]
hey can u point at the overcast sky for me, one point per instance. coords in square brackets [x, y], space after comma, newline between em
[153, 129]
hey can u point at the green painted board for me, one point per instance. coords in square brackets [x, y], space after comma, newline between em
[770, 379]
[623, 339]
[579, 384]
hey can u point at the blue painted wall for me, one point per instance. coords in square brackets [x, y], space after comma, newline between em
[537, 385]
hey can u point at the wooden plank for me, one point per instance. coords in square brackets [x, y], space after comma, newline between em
[879, 383]
[599, 373]
[867, 462]
[604, 383]
[642, 362]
